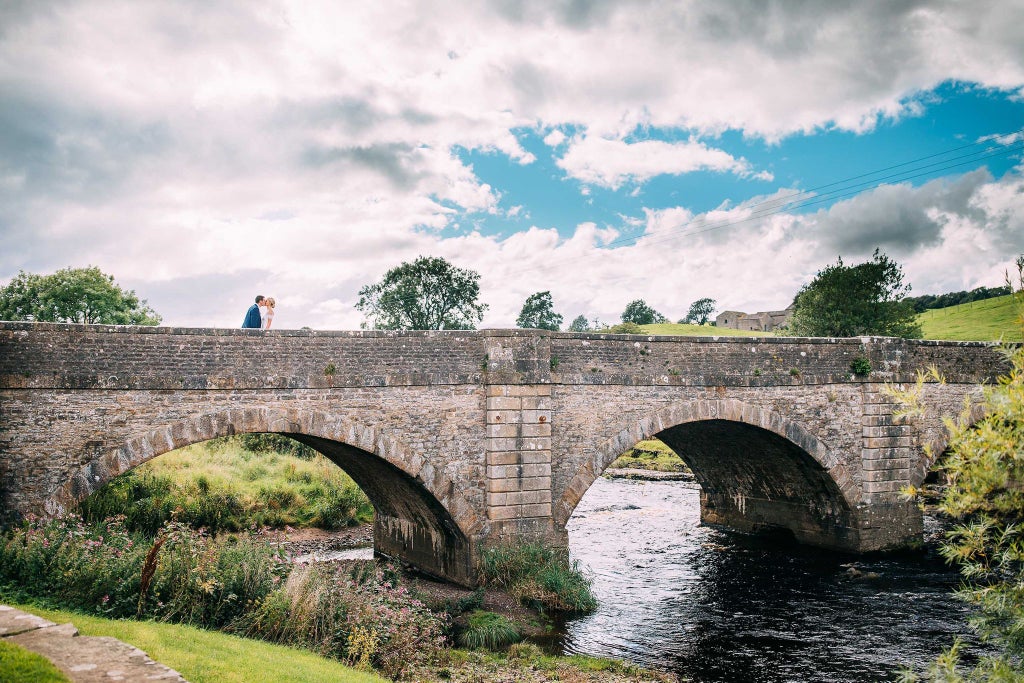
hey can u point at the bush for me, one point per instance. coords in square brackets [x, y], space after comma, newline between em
[538, 575]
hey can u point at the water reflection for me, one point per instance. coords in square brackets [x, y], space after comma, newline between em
[714, 606]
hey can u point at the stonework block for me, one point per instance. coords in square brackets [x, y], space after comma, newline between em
[504, 403]
[503, 458]
[531, 430]
[537, 510]
[502, 430]
[503, 512]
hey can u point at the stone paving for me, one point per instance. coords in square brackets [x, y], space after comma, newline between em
[83, 659]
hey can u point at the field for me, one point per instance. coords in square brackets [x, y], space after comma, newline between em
[989, 320]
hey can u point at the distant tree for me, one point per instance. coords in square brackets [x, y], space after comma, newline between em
[538, 313]
[847, 301]
[640, 313]
[579, 324]
[931, 301]
[73, 295]
[700, 311]
[427, 294]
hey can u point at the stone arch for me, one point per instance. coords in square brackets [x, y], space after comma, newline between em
[818, 473]
[421, 515]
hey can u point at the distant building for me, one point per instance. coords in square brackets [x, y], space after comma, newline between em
[766, 321]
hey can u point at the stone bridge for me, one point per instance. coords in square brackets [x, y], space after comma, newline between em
[462, 438]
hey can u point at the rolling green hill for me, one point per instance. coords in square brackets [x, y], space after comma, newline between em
[988, 320]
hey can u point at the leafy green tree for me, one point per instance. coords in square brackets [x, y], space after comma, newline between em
[73, 295]
[579, 324]
[427, 294]
[538, 313]
[984, 470]
[700, 311]
[638, 312]
[848, 301]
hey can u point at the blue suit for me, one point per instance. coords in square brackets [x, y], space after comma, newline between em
[252, 317]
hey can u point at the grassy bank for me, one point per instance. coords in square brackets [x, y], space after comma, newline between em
[223, 486]
[652, 454]
[988, 320]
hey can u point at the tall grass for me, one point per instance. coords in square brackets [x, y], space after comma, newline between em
[222, 486]
[191, 577]
[538, 575]
[356, 613]
[488, 630]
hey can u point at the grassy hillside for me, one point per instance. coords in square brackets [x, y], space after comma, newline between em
[987, 320]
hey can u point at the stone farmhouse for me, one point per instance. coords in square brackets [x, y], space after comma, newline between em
[765, 321]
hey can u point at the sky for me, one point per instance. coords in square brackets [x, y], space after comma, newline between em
[206, 151]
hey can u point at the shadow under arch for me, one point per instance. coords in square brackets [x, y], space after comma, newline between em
[757, 470]
[420, 516]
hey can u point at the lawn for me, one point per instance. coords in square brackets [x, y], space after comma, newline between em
[211, 657]
[987, 320]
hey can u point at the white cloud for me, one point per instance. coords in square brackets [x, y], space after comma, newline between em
[611, 163]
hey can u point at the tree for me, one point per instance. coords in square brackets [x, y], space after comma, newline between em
[579, 324]
[538, 313]
[73, 295]
[848, 301]
[427, 294]
[700, 311]
[984, 469]
[640, 313]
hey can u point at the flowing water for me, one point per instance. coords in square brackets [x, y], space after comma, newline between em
[714, 606]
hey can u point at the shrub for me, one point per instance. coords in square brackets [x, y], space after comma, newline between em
[488, 630]
[538, 575]
[860, 366]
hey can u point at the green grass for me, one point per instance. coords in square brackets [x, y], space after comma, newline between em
[18, 665]
[650, 455]
[224, 487]
[987, 320]
[211, 657]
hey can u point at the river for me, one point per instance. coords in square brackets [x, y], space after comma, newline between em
[719, 607]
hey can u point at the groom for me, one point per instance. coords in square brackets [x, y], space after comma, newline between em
[252, 316]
